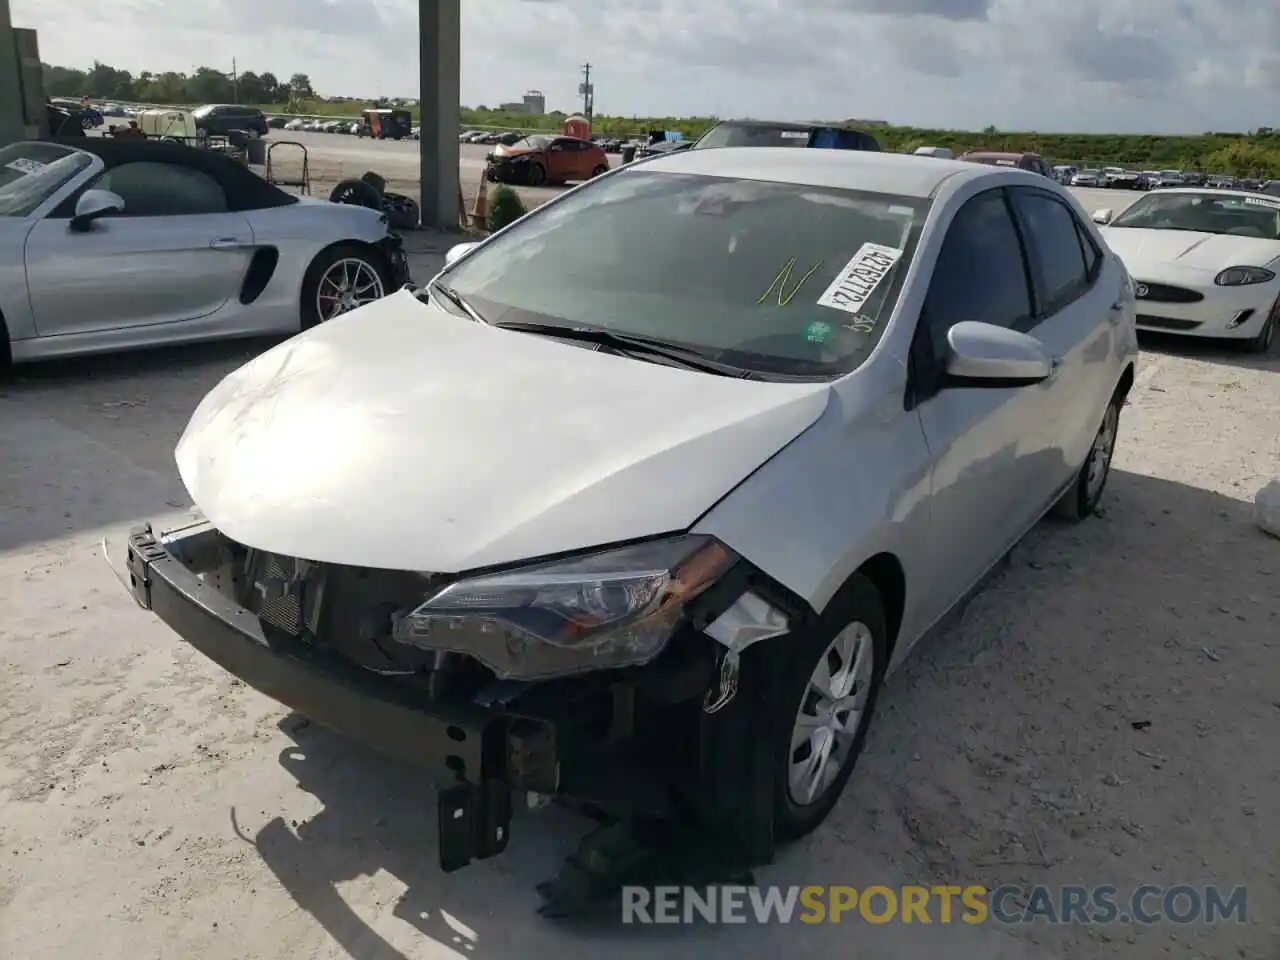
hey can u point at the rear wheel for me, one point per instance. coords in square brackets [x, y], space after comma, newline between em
[1082, 499]
[600, 170]
[342, 279]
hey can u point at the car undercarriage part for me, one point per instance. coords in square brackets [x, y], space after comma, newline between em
[683, 792]
[302, 180]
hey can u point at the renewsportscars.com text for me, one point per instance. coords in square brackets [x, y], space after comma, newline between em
[1104, 904]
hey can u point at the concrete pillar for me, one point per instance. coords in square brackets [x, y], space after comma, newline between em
[439, 72]
[11, 117]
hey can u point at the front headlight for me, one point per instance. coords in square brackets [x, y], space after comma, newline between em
[1243, 276]
[617, 608]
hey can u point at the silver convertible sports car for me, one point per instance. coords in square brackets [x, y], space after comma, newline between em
[114, 244]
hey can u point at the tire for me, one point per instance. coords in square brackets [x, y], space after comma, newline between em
[1261, 344]
[357, 193]
[856, 612]
[537, 174]
[599, 171]
[310, 306]
[1084, 495]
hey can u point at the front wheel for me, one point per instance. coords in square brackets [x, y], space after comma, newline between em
[599, 171]
[828, 682]
[537, 175]
[1267, 335]
[1083, 497]
[339, 280]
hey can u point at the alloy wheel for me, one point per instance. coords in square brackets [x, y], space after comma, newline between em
[1104, 446]
[830, 713]
[346, 285]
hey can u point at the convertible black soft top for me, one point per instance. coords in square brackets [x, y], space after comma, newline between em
[245, 190]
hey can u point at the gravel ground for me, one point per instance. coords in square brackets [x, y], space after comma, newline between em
[1106, 712]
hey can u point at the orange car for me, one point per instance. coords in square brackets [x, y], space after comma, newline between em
[539, 160]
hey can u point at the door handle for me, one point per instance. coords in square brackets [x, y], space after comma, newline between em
[227, 243]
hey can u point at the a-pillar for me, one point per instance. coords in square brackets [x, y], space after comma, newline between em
[439, 72]
[11, 125]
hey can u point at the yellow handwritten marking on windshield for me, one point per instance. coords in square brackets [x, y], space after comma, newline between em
[780, 282]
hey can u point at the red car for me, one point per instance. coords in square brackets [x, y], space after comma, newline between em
[539, 160]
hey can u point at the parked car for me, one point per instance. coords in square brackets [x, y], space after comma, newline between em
[1031, 162]
[538, 160]
[772, 133]
[1271, 188]
[277, 123]
[1126, 180]
[114, 244]
[220, 119]
[1205, 262]
[662, 480]
[1087, 178]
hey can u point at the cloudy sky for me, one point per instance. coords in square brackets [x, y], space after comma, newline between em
[1061, 65]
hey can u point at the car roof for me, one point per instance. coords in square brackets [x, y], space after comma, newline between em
[999, 155]
[895, 173]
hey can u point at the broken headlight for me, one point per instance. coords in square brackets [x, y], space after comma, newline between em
[616, 608]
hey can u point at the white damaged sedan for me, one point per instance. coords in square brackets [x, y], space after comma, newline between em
[1204, 262]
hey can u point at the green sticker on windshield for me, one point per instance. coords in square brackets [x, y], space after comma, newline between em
[819, 332]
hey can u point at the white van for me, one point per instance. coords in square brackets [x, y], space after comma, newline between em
[167, 123]
[942, 153]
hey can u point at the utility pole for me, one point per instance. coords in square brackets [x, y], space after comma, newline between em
[235, 82]
[588, 92]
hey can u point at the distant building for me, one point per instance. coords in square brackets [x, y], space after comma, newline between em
[535, 102]
[511, 107]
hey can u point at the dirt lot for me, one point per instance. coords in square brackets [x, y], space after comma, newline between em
[1107, 712]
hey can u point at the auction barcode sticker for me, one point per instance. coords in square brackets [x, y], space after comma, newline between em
[853, 286]
[1260, 202]
[23, 165]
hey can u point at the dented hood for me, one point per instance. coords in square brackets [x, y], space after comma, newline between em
[402, 437]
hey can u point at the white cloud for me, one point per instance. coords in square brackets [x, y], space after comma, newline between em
[1143, 65]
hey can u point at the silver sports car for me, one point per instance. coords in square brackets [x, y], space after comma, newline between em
[115, 244]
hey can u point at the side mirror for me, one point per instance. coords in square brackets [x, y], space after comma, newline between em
[94, 205]
[458, 251]
[984, 355]
[1102, 216]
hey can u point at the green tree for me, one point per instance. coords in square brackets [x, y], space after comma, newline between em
[300, 86]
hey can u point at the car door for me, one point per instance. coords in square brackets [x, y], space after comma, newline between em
[987, 445]
[563, 160]
[1080, 320]
[176, 253]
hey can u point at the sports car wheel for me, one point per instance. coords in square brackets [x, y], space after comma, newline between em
[537, 174]
[342, 279]
[1267, 335]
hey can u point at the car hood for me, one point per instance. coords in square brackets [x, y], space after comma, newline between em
[402, 437]
[1139, 247]
[501, 150]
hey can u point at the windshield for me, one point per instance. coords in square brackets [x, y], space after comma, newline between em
[31, 172]
[776, 278]
[532, 143]
[1205, 213]
[750, 135]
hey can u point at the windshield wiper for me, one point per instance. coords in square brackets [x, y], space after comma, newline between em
[630, 343]
[458, 300]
